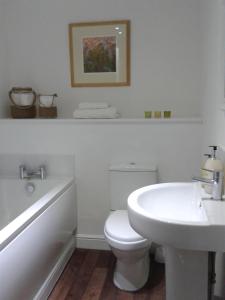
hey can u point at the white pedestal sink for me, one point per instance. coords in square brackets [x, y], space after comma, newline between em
[177, 216]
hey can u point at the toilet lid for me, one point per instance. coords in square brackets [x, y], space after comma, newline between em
[118, 227]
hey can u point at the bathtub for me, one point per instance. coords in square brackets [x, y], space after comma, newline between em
[37, 227]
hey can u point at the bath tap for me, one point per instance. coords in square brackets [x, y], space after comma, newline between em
[216, 182]
[39, 173]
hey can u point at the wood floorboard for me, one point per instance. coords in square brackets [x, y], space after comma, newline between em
[83, 276]
[89, 276]
[109, 290]
[69, 276]
[95, 284]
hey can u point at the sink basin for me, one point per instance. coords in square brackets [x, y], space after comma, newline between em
[175, 215]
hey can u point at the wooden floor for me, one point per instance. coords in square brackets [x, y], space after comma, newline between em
[88, 276]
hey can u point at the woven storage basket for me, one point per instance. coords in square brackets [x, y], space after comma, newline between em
[47, 112]
[21, 113]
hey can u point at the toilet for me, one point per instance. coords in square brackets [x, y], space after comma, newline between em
[130, 249]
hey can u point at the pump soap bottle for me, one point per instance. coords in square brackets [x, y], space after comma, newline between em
[213, 164]
[203, 173]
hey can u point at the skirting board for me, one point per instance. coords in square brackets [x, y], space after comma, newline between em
[86, 241]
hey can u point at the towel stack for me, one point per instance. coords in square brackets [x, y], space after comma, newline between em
[95, 111]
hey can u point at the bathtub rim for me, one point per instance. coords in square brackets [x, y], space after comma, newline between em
[15, 227]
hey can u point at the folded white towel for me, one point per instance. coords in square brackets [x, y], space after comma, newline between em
[89, 105]
[100, 113]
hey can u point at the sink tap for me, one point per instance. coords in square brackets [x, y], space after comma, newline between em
[39, 173]
[216, 182]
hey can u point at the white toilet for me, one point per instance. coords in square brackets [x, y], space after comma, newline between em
[131, 249]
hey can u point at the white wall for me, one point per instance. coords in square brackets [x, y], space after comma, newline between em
[166, 72]
[3, 62]
[96, 144]
[165, 52]
[214, 61]
[214, 97]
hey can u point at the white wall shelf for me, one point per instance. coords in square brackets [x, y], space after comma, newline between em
[103, 121]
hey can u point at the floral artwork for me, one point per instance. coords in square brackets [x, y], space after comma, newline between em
[99, 54]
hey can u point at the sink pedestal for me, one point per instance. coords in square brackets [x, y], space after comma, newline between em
[186, 274]
[219, 290]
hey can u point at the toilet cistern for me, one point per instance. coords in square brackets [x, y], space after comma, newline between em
[216, 182]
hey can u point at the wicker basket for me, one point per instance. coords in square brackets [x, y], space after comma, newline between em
[47, 112]
[22, 91]
[21, 113]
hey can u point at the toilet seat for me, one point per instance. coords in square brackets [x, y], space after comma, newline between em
[120, 234]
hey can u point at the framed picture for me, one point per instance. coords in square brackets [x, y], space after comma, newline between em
[100, 53]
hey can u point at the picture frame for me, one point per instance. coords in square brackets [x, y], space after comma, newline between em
[100, 53]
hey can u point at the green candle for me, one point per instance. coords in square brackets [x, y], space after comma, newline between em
[167, 114]
[148, 114]
[157, 114]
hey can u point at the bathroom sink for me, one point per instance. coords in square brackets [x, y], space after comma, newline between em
[178, 215]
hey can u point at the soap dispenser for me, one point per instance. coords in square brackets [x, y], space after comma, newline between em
[213, 164]
[203, 173]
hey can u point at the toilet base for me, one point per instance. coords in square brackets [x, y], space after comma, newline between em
[131, 276]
